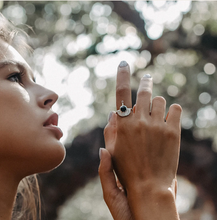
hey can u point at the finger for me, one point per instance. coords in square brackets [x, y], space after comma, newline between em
[123, 90]
[174, 115]
[107, 177]
[111, 120]
[144, 95]
[110, 132]
[158, 108]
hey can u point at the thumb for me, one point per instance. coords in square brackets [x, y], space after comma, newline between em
[114, 197]
[107, 177]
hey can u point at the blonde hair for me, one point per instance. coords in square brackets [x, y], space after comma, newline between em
[15, 36]
[27, 205]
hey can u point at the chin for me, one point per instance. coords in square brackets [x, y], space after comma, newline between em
[48, 158]
[53, 159]
[55, 162]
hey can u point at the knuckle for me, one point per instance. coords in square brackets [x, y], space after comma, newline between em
[142, 123]
[172, 134]
[144, 92]
[122, 89]
[160, 129]
[157, 128]
[109, 129]
[139, 126]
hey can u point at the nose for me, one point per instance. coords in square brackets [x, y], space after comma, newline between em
[46, 98]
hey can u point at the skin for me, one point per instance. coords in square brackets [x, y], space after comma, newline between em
[26, 146]
[143, 149]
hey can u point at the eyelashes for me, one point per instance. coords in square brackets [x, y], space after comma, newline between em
[17, 77]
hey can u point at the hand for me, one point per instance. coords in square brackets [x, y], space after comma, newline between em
[146, 146]
[113, 192]
[146, 150]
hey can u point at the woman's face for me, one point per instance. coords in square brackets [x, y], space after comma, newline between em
[29, 139]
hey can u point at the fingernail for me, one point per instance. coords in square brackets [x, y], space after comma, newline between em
[100, 151]
[123, 64]
[147, 76]
[109, 116]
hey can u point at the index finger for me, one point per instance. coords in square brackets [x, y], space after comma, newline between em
[123, 90]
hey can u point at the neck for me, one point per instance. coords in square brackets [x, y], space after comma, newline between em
[8, 191]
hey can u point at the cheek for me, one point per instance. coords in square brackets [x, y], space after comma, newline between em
[23, 141]
[15, 113]
[14, 101]
[24, 95]
[16, 133]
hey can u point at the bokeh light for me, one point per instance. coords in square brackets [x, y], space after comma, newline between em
[161, 15]
[209, 68]
[79, 45]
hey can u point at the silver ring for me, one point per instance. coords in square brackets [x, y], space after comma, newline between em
[123, 111]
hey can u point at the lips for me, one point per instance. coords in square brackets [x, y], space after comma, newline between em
[51, 124]
[52, 120]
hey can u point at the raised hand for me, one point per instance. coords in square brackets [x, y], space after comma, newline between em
[144, 149]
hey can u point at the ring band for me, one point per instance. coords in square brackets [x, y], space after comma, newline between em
[123, 111]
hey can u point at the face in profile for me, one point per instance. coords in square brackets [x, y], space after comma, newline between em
[29, 136]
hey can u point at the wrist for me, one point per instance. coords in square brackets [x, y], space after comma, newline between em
[152, 201]
[152, 185]
[151, 189]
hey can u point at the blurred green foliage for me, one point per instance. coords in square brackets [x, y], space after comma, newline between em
[93, 35]
[174, 41]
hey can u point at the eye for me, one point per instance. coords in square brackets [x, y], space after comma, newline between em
[16, 77]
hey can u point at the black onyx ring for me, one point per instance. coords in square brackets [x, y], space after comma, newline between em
[124, 111]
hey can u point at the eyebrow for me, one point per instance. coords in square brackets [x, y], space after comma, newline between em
[15, 63]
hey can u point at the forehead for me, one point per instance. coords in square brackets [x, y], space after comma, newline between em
[10, 56]
[7, 52]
